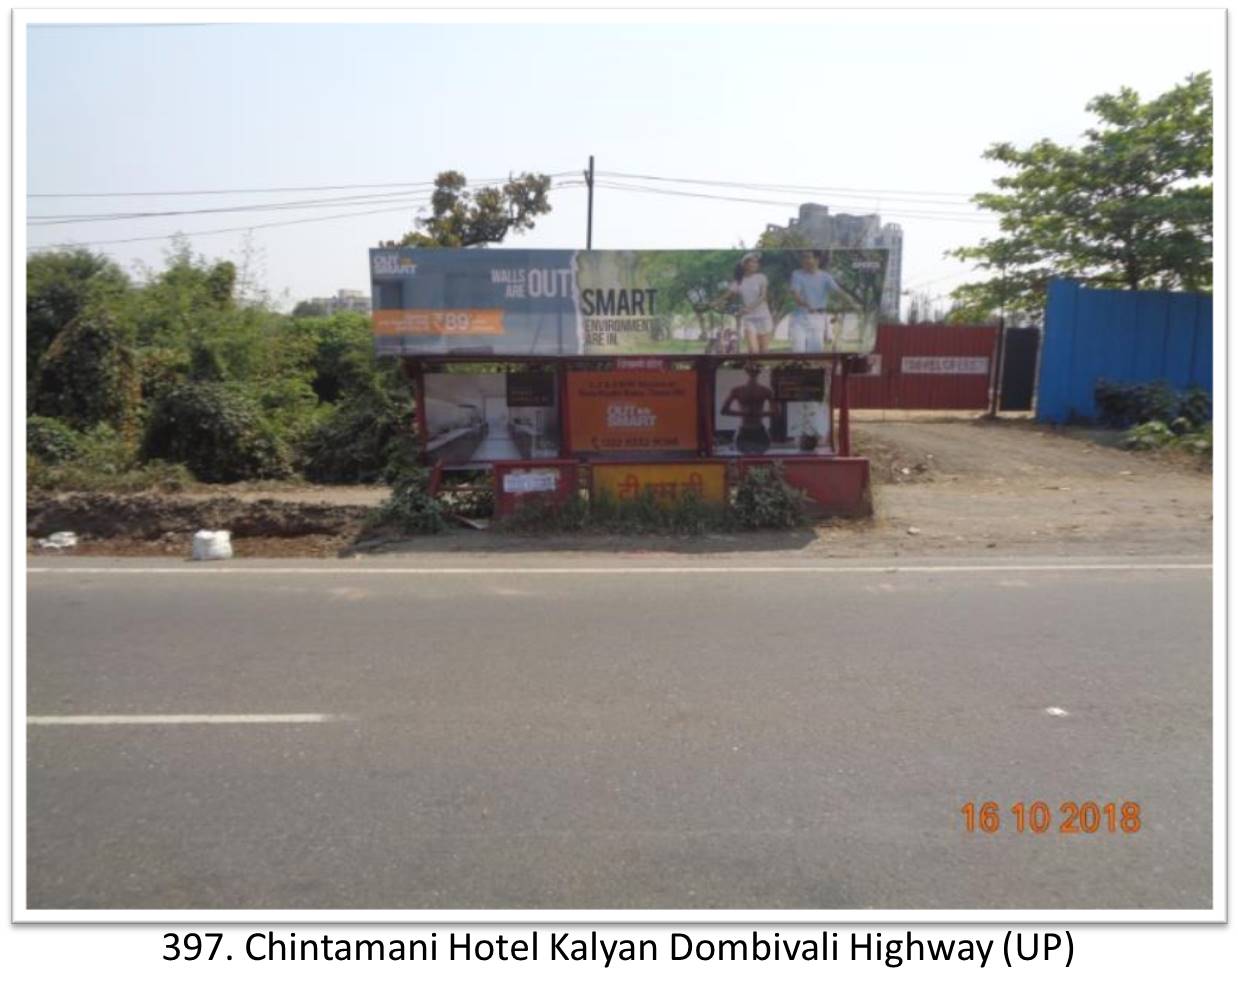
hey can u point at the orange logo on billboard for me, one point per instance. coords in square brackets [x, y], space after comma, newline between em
[633, 410]
[439, 321]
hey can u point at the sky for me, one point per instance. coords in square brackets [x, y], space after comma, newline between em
[886, 112]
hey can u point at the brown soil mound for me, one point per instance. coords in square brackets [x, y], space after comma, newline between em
[154, 517]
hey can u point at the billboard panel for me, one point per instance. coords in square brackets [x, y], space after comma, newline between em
[633, 411]
[772, 410]
[665, 481]
[563, 302]
[471, 420]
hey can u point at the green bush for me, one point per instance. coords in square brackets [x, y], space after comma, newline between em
[1196, 407]
[51, 441]
[80, 475]
[1150, 436]
[1124, 405]
[89, 375]
[764, 500]
[1180, 435]
[342, 357]
[411, 508]
[366, 438]
[218, 432]
[60, 286]
[104, 460]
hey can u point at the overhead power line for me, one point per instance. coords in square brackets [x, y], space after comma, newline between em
[790, 188]
[247, 228]
[281, 190]
[923, 214]
[331, 202]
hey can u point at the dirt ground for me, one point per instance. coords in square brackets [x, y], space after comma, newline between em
[972, 486]
[954, 486]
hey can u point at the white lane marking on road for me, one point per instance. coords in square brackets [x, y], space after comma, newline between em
[175, 719]
[789, 569]
[1056, 711]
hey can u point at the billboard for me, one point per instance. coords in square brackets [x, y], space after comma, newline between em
[563, 302]
[633, 411]
[475, 419]
[665, 481]
[764, 409]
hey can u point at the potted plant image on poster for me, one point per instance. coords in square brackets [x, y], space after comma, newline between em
[729, 302]
[764, 409]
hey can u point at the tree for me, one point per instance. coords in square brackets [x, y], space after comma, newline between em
[1131, 207]
[309, 309]
[462, 217]
[924, 308]
[59, 286]
[89, 375]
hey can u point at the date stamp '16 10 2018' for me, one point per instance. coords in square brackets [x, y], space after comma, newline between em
[1038, 817]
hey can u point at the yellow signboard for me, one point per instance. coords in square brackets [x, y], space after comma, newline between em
[667, 481]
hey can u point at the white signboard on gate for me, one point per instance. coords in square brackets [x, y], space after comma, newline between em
[946, 365]
[532, 481]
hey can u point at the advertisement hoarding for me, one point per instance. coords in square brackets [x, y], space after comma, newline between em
[633, 411]
[771, 410]
[475, 419]
[665, 481]
[562, 302]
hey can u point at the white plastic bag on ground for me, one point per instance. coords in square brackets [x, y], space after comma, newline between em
[58, 541]
[208, 545]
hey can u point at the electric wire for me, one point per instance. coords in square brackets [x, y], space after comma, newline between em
[246, 228]
[896, 213]
[283, 190]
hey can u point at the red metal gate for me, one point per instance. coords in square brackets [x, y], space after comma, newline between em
[928, 366]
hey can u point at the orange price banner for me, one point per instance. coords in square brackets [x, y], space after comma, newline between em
[439, 321]
[632, 410]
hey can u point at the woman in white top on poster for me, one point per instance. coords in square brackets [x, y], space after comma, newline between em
[756, 324]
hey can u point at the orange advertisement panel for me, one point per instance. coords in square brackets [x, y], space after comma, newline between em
[666, 481]
[439, 321]
[632, 410]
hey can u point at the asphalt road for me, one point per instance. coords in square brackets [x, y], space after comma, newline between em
[613, 736]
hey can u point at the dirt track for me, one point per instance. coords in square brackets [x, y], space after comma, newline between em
[965, 487]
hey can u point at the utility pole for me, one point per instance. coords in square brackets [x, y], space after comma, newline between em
[589, 183]
[999, 360]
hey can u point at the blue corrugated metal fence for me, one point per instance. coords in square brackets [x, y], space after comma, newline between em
[1124, 337]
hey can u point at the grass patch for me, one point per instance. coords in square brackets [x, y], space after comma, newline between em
[100, 459]
[1179, 435]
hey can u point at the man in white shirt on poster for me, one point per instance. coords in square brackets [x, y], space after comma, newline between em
[813, 288]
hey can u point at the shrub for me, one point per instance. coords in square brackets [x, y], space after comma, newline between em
[764, 500]
[365, 439]
[1122, 405]
[1180, 435]
[217, 431]
[80, 475]
[51, 441]
[1149, 436]
[411, 508]
[1196, 407]
[104, 460]
[89, 375]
